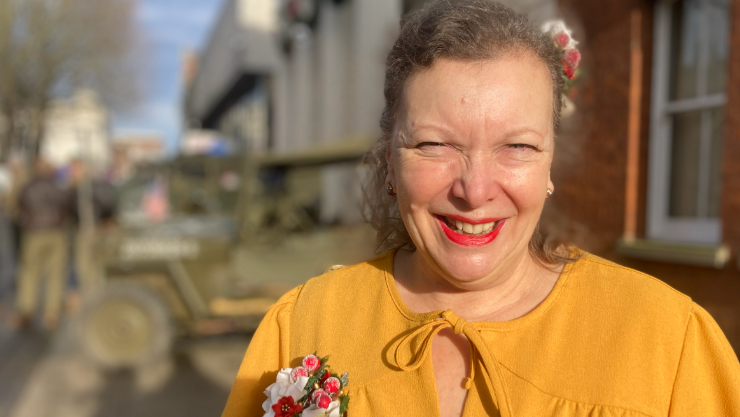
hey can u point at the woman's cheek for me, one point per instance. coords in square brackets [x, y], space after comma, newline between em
[525, 181]
[427, 174]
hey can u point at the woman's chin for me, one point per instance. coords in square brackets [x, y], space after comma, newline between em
[472, 268]
[469, 271]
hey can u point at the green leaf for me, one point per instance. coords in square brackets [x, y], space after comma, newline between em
[343, 404]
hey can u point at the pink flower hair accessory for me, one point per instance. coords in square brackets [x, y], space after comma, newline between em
[563, 39]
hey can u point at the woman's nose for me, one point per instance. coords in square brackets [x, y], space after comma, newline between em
[477, 183]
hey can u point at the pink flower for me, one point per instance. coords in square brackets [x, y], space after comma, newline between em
[316, 394]
[297, 372]
[560, 34]
[562, 39]
[331, 385]
[572, 57]
[311, 363]
[569, 71]
[323, 401]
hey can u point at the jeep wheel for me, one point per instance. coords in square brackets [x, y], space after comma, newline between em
[125, 325]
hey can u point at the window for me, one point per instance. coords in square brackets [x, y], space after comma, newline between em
[687, 120]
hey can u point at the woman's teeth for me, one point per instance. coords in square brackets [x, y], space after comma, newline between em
[470, 229]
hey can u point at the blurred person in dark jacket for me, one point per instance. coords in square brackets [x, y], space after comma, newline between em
[43, 214]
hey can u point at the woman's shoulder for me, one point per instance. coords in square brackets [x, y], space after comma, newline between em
[609, 284]
[602, 272]
[359, 283]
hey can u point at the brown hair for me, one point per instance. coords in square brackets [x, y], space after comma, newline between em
[467, 30]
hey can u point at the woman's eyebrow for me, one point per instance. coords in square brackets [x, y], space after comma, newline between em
[406, 133]
[524, 131]
[430, 126]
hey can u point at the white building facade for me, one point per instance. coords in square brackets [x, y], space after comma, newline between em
[77, 128]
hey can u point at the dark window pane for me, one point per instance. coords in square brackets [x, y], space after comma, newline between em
[684, 58]
[719, 36]
[715, 162]
[685, 152]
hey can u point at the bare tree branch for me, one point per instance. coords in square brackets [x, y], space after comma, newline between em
[49, 48]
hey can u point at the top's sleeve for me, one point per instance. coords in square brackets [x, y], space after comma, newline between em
[708, 378]
[268, 352]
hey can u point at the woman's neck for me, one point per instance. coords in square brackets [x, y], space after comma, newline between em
[506, 295]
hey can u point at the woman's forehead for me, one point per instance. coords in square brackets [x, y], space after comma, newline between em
[513, 91]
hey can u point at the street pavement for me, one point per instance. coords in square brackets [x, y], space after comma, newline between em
[46, 376]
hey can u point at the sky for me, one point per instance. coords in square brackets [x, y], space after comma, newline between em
[166, 29]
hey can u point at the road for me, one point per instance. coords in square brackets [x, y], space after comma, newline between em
[46, 376]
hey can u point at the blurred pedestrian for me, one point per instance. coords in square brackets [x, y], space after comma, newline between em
[7, 249]
[93, 206]
[14, 178]
[7, 258]
[19, 177]
[43, 213]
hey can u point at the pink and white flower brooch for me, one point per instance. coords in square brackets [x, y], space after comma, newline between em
[309, 390]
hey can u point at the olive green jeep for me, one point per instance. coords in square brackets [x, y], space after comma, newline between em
[239, 232]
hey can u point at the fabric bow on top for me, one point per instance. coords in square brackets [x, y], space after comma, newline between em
[478, 347]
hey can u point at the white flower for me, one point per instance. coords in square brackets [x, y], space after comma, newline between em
[283, 387]
[554, 27]
[314, 411]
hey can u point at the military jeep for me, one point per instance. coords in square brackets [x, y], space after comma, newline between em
[239, 232]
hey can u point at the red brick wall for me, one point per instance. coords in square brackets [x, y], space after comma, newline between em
[590, 182]
[590, 172]
[731, 165]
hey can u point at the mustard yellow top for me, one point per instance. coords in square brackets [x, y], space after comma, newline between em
[607, 341]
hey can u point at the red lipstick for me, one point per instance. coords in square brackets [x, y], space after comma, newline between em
[467, 240]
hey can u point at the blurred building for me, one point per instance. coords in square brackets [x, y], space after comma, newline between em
[654, 174]
[134, 150]
[287, 76]
[76, 128]
[229, 86]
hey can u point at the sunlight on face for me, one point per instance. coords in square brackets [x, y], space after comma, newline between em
[470, 160]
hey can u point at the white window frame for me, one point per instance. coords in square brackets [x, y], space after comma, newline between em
[660, 226]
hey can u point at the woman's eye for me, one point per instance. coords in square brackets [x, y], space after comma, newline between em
[521, 146]
[423, 144]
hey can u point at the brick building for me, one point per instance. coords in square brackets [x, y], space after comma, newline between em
[649, 166]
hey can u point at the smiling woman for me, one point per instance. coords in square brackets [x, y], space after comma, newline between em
[467, 311]
[491, 127]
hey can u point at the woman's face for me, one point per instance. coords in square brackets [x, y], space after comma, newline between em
[470, 161]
